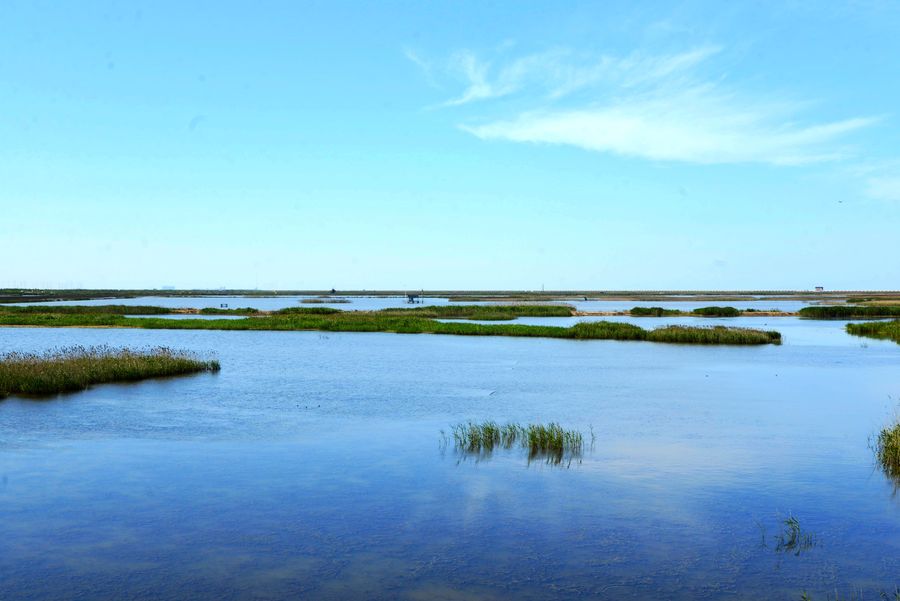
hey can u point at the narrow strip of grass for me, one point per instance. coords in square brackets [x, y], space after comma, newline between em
[889, 330]
[235, 311]
[716, 312]
[86, 309]
[850, 311]
[75, 368]
[653, 312]
[483, 312]
[409, 322]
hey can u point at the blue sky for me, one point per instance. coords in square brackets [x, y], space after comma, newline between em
[467, 145]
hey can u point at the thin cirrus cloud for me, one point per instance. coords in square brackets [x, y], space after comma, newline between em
[650, 107]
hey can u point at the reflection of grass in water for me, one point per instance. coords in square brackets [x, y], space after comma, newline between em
[550, 442]
[792, 539]
[887, 451]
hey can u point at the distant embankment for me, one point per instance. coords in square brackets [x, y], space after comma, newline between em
[420, 320]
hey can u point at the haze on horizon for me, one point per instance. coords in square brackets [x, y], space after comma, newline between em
[450, 145]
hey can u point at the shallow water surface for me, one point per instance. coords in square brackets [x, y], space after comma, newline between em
[312, 467]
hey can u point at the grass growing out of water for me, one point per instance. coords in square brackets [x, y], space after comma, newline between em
[792, 539]
[75, 368]
[483, 312]
[889, 330]
[849, 312]
[887, 450]
[550, 442]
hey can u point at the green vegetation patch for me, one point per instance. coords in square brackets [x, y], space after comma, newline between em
[85, 309]
[483, 312]
[550, 442]
[236, 311]
[405, 321]
[653, 312]
[717, 312]
[75, 368]
[850, 311]
[889, 330]
[887, 451]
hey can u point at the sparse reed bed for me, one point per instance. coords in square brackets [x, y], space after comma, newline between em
[405, 321]
[889, 330]
[887, 450]
[850, 311]
[75, 368]
[717, 312]
[320, 301]
[551, 441]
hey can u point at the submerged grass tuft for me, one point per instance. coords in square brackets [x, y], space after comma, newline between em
[75, 368]
[550, 441]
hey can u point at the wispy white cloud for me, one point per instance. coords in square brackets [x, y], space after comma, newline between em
[657, 107]
[884, 187]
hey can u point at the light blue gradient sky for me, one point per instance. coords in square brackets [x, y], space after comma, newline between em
[596, 145]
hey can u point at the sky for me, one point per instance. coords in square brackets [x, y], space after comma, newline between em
[450, 145]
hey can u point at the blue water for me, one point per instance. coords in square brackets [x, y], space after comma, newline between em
[311, 467]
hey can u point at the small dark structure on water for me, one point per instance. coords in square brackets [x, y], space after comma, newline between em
[412, 299]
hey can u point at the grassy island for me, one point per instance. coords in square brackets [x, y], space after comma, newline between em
[75, 368]
[850, 311]
[889, 330]
[420, 320]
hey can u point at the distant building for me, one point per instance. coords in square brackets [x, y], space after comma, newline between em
[820, 288]
[412, 298]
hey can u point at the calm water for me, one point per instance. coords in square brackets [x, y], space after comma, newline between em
[310, 467]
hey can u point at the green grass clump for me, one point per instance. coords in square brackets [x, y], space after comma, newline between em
[889, 330]
[887, 451]
[717, 312]
[551, 441]
[850, 311]
[75, 368]
[713, 335]
[307, 311]
[652, 312]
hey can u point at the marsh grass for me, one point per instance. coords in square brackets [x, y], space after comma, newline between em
[407, 321]
[887, 451]
[75, 368]
[483, 312]
[85, 309]
[653, 312]
[717, 312]
[849, 311]
[235, 311]
[889, 330]
[549, 442]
